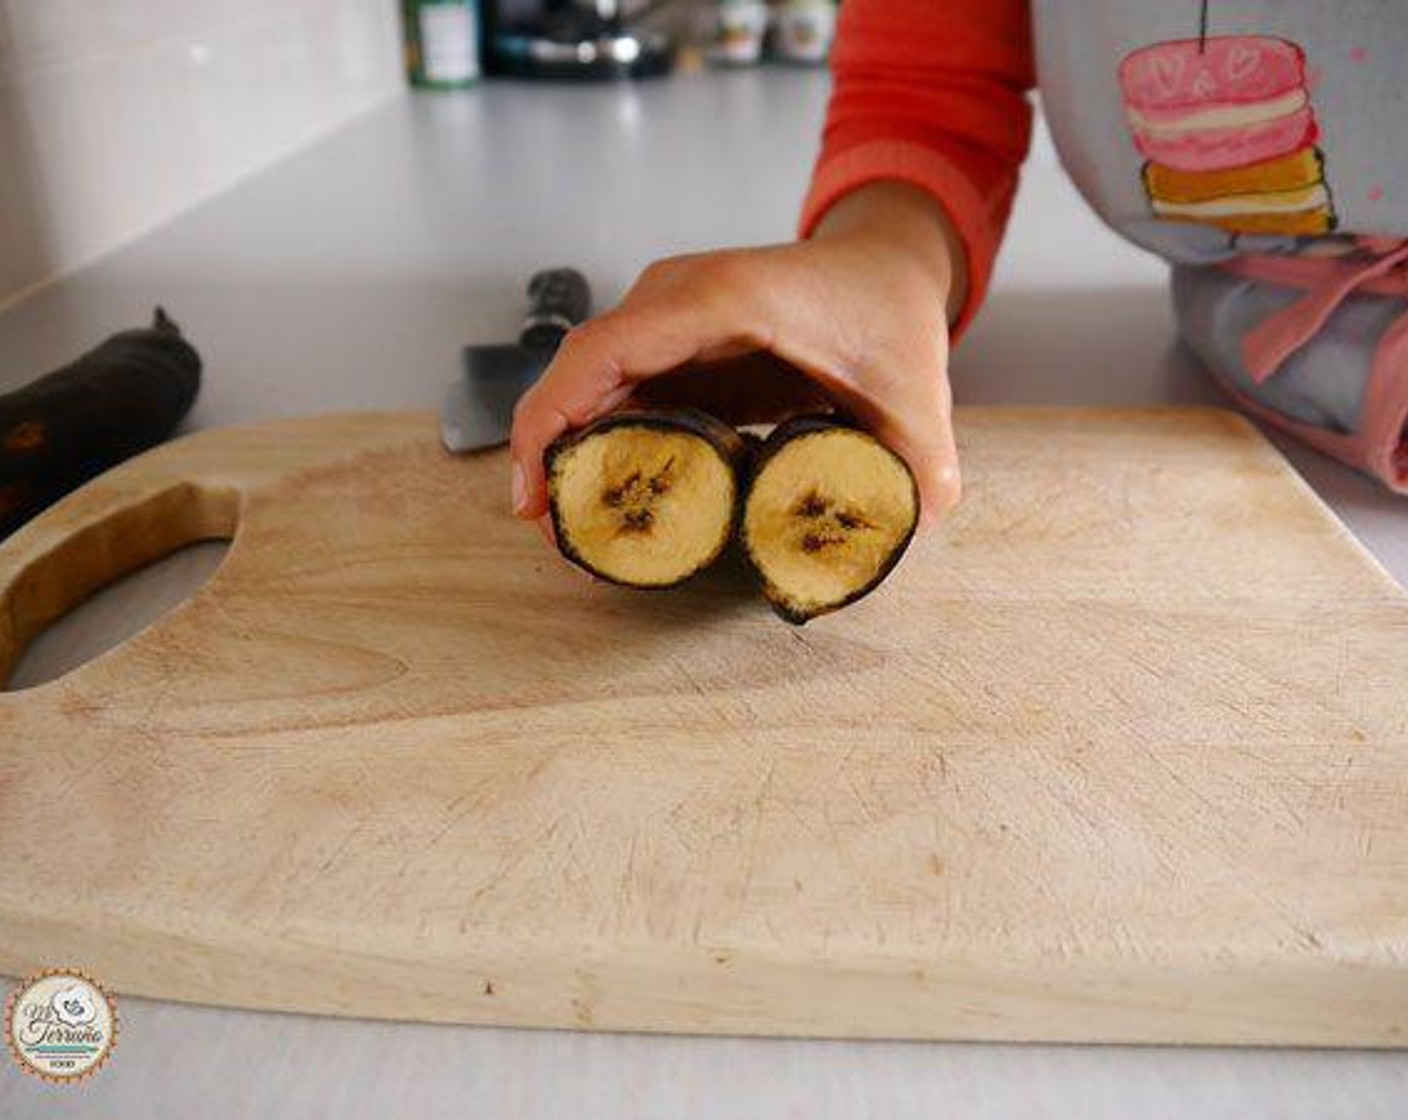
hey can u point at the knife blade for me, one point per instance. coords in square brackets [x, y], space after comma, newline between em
[478, 408]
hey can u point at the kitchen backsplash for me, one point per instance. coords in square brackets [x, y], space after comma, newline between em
[117, 114]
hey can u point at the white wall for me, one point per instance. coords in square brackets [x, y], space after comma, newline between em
[117, 114]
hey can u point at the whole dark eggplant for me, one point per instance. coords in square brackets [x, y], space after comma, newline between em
[123, 396]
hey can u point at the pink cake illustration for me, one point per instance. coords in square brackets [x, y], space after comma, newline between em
[1229, 134]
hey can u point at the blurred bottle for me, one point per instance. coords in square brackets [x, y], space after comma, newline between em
[442, 43]
[739, 27]
[804, 31]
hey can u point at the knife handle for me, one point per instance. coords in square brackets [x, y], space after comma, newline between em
[558, 299]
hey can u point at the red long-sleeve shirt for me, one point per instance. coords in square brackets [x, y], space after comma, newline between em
[934, 94]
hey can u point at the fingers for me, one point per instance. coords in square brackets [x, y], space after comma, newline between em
[931, 450]
[918, 427]
[601, 362]
[933, 459]
[939, 479]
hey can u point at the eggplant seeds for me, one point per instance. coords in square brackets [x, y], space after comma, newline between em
[645, 499]
[829, 512]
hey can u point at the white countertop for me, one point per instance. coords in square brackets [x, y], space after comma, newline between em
[347, 277]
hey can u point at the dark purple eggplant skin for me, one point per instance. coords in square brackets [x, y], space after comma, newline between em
[735, 447]
[125, 395]
[800, 427]
[729, 442]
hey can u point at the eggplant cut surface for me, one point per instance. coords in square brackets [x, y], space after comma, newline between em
[830, 510]
[645, 499]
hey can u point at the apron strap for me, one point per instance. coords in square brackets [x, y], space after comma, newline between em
[1273, 340]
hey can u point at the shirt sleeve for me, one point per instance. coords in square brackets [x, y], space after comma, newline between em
[934, 94]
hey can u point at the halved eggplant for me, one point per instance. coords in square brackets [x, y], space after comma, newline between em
[645, 499]
[829, 512]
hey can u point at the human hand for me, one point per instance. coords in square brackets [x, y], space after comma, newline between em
[857, 315]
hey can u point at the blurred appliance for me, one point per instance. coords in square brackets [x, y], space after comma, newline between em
[571, 39]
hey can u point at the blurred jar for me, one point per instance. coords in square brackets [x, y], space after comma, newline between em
[739, 28]
[442, 43]
[805, 29]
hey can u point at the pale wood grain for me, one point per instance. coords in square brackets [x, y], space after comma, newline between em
[1122, 753]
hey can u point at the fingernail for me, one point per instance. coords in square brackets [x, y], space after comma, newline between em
[520, 489]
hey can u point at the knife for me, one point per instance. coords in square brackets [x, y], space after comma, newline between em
[478, 410]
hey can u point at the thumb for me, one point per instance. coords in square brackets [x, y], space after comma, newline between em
[921, 435]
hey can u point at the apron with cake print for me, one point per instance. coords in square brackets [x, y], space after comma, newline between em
[1261, 146]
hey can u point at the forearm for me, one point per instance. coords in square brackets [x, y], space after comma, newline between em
[933, 96]
[910, 221]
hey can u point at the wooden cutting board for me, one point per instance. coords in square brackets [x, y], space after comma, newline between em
[1120, 754]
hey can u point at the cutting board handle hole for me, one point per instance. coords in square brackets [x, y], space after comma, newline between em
[114, 574]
